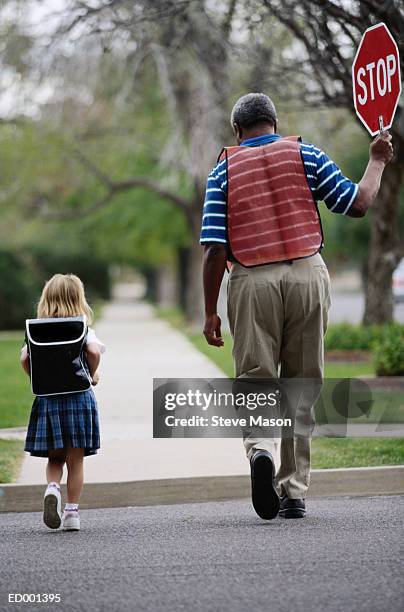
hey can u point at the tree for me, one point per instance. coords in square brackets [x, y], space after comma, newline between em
[190, 54]
[329, 33]
[194, 57]
[198, 56]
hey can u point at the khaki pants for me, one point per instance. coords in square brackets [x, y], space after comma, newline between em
[278, 316]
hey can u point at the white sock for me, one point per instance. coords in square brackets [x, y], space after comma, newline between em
[71, 507]
[54, 484]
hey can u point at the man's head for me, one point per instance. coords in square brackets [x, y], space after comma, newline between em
[252, 115]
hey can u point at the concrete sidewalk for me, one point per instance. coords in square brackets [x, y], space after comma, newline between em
[139, 347]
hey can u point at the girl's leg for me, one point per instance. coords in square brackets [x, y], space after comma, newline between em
[54, 468]
[74, 462]
[52, 514]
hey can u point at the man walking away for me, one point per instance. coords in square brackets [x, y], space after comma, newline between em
[260, 212]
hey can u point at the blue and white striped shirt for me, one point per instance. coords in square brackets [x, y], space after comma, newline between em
[324, 178]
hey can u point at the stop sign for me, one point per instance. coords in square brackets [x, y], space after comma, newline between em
[376, 79]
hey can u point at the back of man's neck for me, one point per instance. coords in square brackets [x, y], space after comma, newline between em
[255, 133]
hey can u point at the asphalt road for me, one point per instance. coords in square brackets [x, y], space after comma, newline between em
[350, 306]
[345, 556]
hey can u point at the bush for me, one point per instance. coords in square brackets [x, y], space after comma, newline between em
[18, 291]
[94, 272]
[389, 354]
[348, 337]
[22, 278]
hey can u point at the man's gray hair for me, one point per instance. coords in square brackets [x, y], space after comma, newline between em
[253, 108]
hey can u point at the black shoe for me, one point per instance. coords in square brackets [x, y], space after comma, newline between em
[265, 498]
[292, 508]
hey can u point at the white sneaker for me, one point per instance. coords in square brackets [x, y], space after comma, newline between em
[71, 520]
[52, 507]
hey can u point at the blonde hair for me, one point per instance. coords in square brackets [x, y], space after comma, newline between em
[63, 296]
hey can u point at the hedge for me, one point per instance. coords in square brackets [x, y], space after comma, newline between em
[18, 291]
[385, 342]
[389, 354]
[22, 277]
[348, 337]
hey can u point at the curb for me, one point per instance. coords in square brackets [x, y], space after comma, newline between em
[13, 433]
[368, 481]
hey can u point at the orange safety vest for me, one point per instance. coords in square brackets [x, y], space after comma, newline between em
[271, 213]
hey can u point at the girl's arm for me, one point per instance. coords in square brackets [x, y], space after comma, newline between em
[93, 356]
[24, 359]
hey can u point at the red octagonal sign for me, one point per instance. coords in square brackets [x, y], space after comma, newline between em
[376, 79]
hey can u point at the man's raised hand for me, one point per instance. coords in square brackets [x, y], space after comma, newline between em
[381, 148]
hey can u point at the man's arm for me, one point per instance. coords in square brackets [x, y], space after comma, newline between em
[214, 265]
[380, 153]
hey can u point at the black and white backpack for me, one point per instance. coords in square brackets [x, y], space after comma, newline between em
[56, 348]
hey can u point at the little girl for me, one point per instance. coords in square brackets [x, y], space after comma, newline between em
[65, 427]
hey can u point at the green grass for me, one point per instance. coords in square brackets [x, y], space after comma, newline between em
[327, 452]
[16, 400]
[360, 407]
[15, 397]
[388, 406]
[10, 459]
[222, 357]
[348, 369]
[356, 452]
[98, 307]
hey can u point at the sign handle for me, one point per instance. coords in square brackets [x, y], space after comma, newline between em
[380, 124]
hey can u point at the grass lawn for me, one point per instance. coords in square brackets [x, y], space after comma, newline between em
[10, 459]
[356, 452]
[222, 357]
[388, 406]
[327, 452]
[16, 397]
[15, 402]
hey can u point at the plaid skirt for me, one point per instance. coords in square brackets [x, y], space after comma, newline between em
[63, 421]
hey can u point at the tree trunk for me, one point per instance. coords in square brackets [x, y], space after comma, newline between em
[182, 275]
[166, 287]
[189, 268]
[194, 302]
[194, 307]
[382, 259]
[150, 276]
